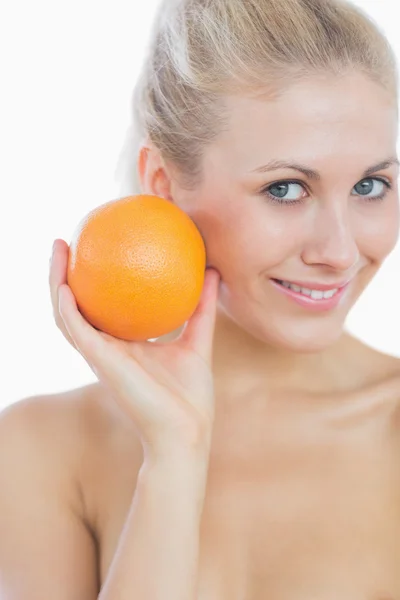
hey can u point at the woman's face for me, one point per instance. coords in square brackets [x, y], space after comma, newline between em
[263, 222]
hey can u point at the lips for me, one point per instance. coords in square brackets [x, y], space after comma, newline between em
[313, 293]
[320, 304]
[323, 287]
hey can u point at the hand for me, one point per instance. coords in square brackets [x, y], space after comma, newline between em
[166, 389]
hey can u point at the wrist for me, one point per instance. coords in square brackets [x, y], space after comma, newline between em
[193, 447]
[177, 457]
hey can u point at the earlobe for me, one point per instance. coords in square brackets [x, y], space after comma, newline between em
[161, 184]
[152, 173]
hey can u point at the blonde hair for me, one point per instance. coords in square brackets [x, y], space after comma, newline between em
[202, 50]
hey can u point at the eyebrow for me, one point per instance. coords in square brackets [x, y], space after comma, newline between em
[311, 174]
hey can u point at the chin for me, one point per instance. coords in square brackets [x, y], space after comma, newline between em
[300, 339]
[309, 333]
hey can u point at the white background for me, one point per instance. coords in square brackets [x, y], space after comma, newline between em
[68, 70]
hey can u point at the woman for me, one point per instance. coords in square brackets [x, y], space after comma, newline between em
[256, 454]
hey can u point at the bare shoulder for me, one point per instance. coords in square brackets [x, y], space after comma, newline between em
[366, 365]
[45, 452]
[377, 376]
[82, 434]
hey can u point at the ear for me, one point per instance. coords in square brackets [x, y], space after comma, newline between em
[152, 172]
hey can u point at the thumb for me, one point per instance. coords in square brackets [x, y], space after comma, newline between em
[199, 330]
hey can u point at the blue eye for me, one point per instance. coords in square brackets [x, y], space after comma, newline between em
[278, 193]
[366, 186]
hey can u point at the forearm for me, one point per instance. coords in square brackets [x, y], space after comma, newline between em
[158, 550]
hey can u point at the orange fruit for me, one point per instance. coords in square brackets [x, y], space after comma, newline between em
[136, 267]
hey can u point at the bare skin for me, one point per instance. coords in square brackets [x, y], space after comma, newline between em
[302, 495]
[303, 487]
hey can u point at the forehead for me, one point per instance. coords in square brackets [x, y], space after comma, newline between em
[310, 120]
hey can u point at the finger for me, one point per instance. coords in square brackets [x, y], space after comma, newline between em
[57, 277]
[100, 350]
[199, 331]
[104, 353]
[85, 337]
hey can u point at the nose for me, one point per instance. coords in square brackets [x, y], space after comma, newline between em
[331, 241]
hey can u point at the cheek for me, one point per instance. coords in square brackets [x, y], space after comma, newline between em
[242, 242]
[378, 237]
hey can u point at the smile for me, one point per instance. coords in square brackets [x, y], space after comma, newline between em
[314, 294]
[316, 300]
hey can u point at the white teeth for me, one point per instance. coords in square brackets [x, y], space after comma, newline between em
[314, 294]
[330, 293]
[306, 291]
[317, 294]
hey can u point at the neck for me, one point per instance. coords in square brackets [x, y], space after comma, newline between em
[241, 361]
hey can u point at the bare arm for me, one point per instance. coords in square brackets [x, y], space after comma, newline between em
[46, 550]
[157, 555]
[167, 391]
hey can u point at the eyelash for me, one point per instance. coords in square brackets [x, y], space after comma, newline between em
[275, 200]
